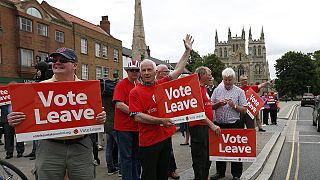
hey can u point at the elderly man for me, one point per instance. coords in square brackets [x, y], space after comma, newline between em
[73, 153]
[162, 71]
[199, 129]
[126, 126]
[248, 121]
[154, 132]
[228, 102]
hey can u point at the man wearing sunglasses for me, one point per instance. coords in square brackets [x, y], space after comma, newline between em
[71, 156]
[126, 127]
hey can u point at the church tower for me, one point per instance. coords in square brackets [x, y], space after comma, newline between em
[139, 47]
[252, 63]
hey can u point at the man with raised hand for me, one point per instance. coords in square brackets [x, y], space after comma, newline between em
[154, 132]
[72, 153]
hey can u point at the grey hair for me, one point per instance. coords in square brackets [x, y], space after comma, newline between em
[228, 72]
[148, 61]
[202, 70]
[161, 67]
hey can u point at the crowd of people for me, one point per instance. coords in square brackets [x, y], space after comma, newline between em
[139, 144]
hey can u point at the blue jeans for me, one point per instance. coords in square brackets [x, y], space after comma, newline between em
[128, 146]
[111, 143]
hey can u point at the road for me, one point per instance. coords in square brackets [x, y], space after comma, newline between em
[299, 158]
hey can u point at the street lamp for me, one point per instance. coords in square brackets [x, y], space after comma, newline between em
[308, 88]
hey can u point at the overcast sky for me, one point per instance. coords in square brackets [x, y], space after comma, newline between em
[289, 25]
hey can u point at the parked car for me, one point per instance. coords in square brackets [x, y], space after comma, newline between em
[316, 113]
[307, 99]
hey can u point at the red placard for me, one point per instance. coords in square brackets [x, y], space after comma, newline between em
[254, 103]
[237, 145]
[4, 96]
[56, 109]
[180, 100]
[271, 99]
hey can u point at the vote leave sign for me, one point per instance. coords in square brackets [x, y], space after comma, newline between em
[180, 100]
[4, 96]
[56, 109]
[271, 99]
[254, 103]
[236, 145]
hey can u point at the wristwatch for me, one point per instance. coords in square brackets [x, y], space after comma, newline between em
[235, 106]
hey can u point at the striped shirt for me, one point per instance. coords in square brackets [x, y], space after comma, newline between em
[226, 114]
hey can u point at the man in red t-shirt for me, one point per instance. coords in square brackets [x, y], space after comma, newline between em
[154, 132]
[248, 121]
[199, 129]
[125, 126]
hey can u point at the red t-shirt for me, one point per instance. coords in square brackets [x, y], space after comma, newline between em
[141, 100]
[255, 88]
[122, 121]
[207, 108]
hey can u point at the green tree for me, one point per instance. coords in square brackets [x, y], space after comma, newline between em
[193, 58]
[295, 71]
[213, 62]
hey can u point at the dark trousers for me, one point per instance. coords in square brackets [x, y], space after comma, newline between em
[248, 121]
[172, 163]
[273, 115]
[265, 116]
[236, 167]
[200, 152]
[155, 160]
[9, 134]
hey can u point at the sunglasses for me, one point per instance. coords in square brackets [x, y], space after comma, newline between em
[165, 71]
[61, 60]
[134, 70]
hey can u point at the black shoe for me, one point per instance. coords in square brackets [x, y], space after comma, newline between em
[9, 156]
[32, 158]
[29, 155]
[262, 130]
[217, 176]
[235, 178]
[19, 155]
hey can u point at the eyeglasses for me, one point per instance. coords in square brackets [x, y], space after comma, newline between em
[134, 70]
[165, 71]
[61, 60]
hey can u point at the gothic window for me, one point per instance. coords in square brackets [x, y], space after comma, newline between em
[258, 69]
[220, 52]
[225, 52]
[233, 48]
[240, 72]
[240, 57]
[259, 50]
[254, 51]
[237, 46]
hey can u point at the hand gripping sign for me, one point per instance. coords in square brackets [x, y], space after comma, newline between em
[56, 109]
[236, 145]
[4, 96]
[254, 103]
[180, 100]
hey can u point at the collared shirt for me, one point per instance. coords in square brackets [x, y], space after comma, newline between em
[227, 114]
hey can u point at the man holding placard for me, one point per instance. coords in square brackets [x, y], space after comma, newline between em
[229, 101]
[72, 153]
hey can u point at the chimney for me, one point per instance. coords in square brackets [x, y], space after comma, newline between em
[105, 24]
[148, 51]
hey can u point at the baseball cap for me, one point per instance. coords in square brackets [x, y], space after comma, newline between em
[133, 64]
[65, 52]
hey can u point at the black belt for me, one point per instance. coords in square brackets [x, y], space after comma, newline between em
[68, 141]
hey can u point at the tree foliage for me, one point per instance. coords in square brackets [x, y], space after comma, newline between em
[295, 71]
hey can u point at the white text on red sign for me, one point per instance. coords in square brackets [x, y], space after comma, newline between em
[180, 105]
[228, 139]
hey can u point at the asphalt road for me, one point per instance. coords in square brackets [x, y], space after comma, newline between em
[299, 158]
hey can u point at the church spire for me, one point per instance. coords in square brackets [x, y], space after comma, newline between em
[262, 34]
[250, 35]
[216, 38]
[229, 33]
[139, 47]
[243, 35]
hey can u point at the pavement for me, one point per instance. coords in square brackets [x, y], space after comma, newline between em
[266, 142]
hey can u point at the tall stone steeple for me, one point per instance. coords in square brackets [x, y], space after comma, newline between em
[139, 47]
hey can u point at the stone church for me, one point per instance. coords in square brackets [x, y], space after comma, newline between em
[251, 62]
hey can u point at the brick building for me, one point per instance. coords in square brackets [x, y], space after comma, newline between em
[29, 29]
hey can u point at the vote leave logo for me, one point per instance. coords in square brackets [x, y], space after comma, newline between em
[4, 96]
[56, 109]
[233, 145]
[254, 103]
[180, 100]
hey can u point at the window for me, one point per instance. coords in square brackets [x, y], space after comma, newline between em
[97, 48]
[26, 57]
[84, 46]
[25, 24]
[98, 72]
[85, 73]
[240, 57]
[240, 72]
[105, 72]
[259, 50]
[60, 36]
[42, 29]
[104, 51]
[225, 52]
[43, 55]
[254, 51]
[116, 55]
[34, 12]
[220, 52]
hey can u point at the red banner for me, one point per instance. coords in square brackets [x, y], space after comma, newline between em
[56, 109]
[180, 100]
[237, 145]
[4, 96]
[254, 103]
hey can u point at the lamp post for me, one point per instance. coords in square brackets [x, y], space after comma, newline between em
[308, 88]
